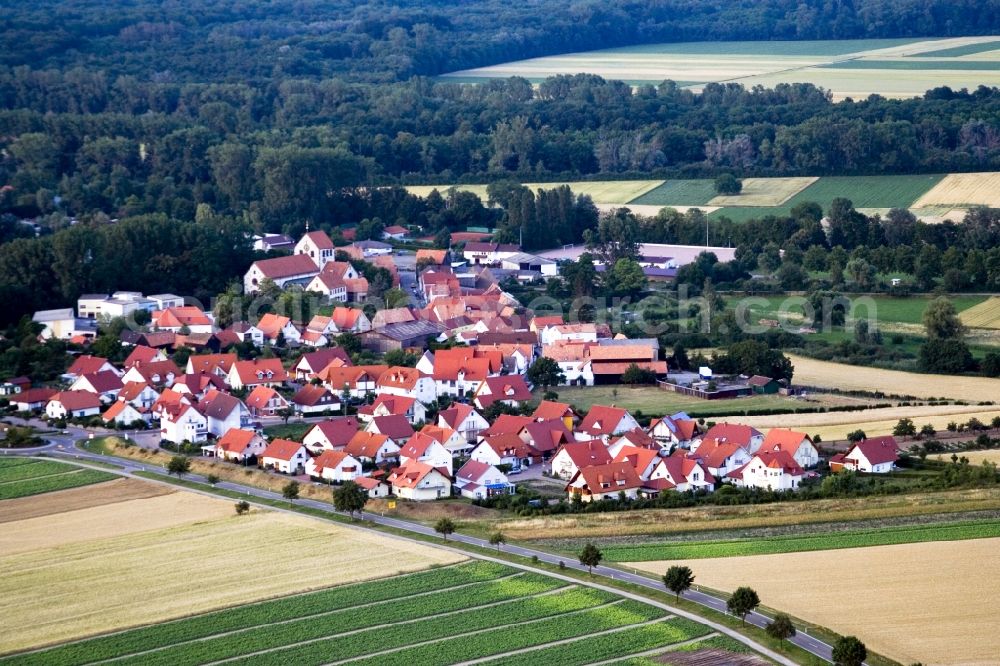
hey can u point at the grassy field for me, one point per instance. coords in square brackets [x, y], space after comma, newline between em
[986, 314]
[964, 189]
[884, 309]
[810, 372]
[928, 602]
[23, 477]
[695, 192]
[764, 192]
[470, 611]
[959, 51]
[795, 544]
[88, 571]
[652, 401]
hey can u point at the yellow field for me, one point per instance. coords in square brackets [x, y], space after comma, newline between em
[860, 83]
[810, 372]
[836, 425]
[929, 602]
[601, 191]
[92, 571]
[649, 210]
[984, 315]
[964, 189]
[975, 457]
[765, 192]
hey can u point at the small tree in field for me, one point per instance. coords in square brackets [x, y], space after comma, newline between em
[212, 479]
[290, 491]
[497, 539]
[849, 651]
[242, 507]
[904, 428]
[780, 627]
[179, 465]
[743, 601]
[590, 557]
[678, 580]
[728, 184]
[350, 497]
[444, 527]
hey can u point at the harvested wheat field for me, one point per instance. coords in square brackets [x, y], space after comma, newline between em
[810, 372]
[651, 210]
[923, 602]
[975, 457]
[69, 585]
[765, 192]
[984, 315]
[964, 189]
[601, 191]
[109, 492]
[835, 425]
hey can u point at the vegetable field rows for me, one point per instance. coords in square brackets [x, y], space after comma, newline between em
[43, 476]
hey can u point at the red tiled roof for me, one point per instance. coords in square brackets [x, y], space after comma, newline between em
[586, 454]
[328, 458]
[141, 354]
[609, 478]
[602, 420]
[248, 371]
[394, 426]
[507, 423]
[104, 381]
[504, 387]
[73, 400]
[281, 449]
[456, 414]
[877, 450]
[236, 440]
[732, 432]
[780, 439]
[286, 267]
[85, 365]
[365, 444]
[212, 362]
[410, 475]
[338, 432]
[33, 395]
[260, 396]
[311, 395]
[548, 409]
[320, 240]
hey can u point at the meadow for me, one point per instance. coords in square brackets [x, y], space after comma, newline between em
[800, 543]
[23, 477]
[474, 610]
[651, 401]
[921, 602]
[82, 572]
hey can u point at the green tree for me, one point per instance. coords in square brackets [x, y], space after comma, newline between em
[444, 527]
[743, 601]
[616, 237]
[678, 579]
[635, 375]
[497, 539]
[728, 184]
[350, 497]
[755, 357]
[780, 627]
[212, 479]
[941, 320]
[545, 372]
[945, 355]
[849, 651]
[179, 465]
[625, 278]
[290, 491]
[904, 428]
[856, 436]
[590, 557]
[242, 507]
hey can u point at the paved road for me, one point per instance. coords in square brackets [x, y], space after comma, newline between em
[63, 445]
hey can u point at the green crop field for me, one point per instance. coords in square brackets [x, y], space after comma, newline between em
[817, 47]
[958, 51]
[696, 192]
[887, 309]
[652, 401]
[21, 477]
[468, 611]
[794, 544]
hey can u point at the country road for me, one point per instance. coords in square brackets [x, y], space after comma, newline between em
[64, 445]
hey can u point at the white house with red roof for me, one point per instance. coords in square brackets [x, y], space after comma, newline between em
[181, 422]
[876, 455]
[479, 480]
[676, 430]
[636, 437]
[573, 456]
[312, 363]
[375, 488]
[372, 447]
[265, 401]
[511, 390]
[796, 444]
[330, 285]
[315, 399]
[282, 271]
[548, 409]
[504, 449]
[285, 456]
[140, 395]
[721, 457]
[104, 384]
[643, 461]
[213, 364]
[393, 426]
[464, 419]
[410, 382]
[450, 439]
[257, 372]
[424, 448]
[334, 466]
[604, 422]
[608, 481]
[238, 445]
[143, 354]
[154, 373]
[67, 404]
[180, 318]
[746, 436]
[770, 470]
[275, 327]
[124, 414]
[386, 405]
[419, 481]
[680, 473]
[545, 437]
[317, 246]
[223, 412]
[349, 320]
[332, 434]
[86, 364]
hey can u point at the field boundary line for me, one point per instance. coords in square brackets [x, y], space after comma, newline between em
[562, 641]
[656, 651]
[43, 476]
[477, 631]
[424, 618]
[312, 616]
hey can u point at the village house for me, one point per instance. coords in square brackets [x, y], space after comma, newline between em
[419, 481]
[122, 413]
[580, 332]
[393, 426]
[876, 455]
[140, 395]
[680, 473]
[181, 422]
[155, 373]
[796, 444]
[177, 320]
[603, 422]
[237, 445]
[334, 466]
[450, 439]
[73, 404]
[309, 365]
[282, 271]
[317, 246]
[548, 410]
[311, 399]
[746, 436]
[505, 449]
[637, 438]
[143, 354]
[478, 480]
[371, 447]
[357, 381]
[464, 419]
[198, 385]
[88, 365]
[332, 434]
[374, 487]
[349, 320]
[277, 328]
[573, 456]
[104, 384]
[386, 404]
[674, 431]
[223, 412]
[330, 285]
[479, 253]
[408, 382]
[424, 448]
[770, 470]
[265, 401]
[459, 372]
[285, 456]
[259, 371]
[545, 437]
[721, 457]
[245, 331]
[643, 461]
[32, 399]
[511, 390]
[212, 364]
[574, 361]
[609, 481]
[395, 232]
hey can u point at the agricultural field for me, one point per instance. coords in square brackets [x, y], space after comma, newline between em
[651, 401]
[964, 189]
[61, 581]
[801, 543]
[23, 477]
[472, 611]
[984, 315]
[765, 192]
[811, 372]
[975, 457]
[604, 192]
[884, 309]
[921, 602]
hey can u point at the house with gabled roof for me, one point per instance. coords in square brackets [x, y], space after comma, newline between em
[506, 424]
[182, 422]
[548, 409]
[603, 422]
[265, 401]
[282, 271]
[383, 318]
[88, 365]
[246, 332]
[746, 436]
[419, 481]
[504, 449]
[31, 399]
[464, 419]
[385, 405]
[332, 434]
[680, 473]
[511, 390]
[223, 412]
[213, 364]
[122, 413]
[315, 399]
[275, 327]
[573, 359]
[720, 457]
[545, 437]
[356, 380]
[459, 370]
[424, 448]
[238, 445]
[372, 447]
[676, 430]
[450, 439]
[140, 395]
[334, 467]
[573, 456]
[637, 438]
[479, 480]
[156, 373]
[259, 371]
[104, 384]
[285, 456]
[375, 488]
[350, 320]
[143, 354]
[78, 404]
[874, 455]
[608, 481]
[409, 382]
[796, 444]
[644, 461]
[393, 426]
[312, 363]
[177, 319]
[330, 285]
[198, 385]
[771, 470]
[317, 246]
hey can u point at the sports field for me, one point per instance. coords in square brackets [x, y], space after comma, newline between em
[22, 477]
[127, 562]
[473, 611]
[923, 602]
